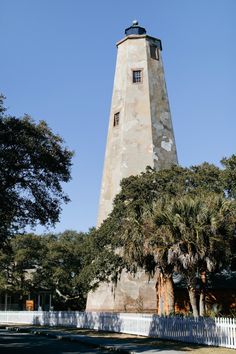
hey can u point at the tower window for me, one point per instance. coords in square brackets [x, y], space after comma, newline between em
[137, 76]
[116, 119]
[154, 52]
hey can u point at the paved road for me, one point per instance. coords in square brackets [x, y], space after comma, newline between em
[25, 343]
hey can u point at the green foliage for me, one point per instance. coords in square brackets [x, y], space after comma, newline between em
[150, 186]
[196, 213]
[19, 260]
[60, 263]
[33, 165]
[201, 230]
[103, 262]
[175, 220]
[61, 266]
[68, 265]
[229, 176]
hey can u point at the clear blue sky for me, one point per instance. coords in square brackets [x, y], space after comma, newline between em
[57, 64]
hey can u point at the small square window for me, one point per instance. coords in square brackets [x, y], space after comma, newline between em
[154, 52]
[137, 76]
[116, 119]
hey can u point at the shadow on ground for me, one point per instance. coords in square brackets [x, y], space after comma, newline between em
[20, 343]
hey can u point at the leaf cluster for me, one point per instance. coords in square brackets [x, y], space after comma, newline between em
[191, 202]
[55, 262]
[33, 165]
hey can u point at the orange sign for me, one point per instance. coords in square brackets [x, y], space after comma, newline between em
[29, 305]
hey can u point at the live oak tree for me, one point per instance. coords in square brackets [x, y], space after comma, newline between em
[74, 263]
[20, 259]
[61, 267]
[33, 165]
[59, 263]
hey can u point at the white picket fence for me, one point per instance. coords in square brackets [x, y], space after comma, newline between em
[217, 332]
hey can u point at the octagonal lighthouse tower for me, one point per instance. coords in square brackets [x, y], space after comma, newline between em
[140, 130]
[140, 134]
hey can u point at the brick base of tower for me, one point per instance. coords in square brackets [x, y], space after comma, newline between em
[130, 294]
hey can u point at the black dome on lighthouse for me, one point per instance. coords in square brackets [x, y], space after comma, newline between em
[135, 29]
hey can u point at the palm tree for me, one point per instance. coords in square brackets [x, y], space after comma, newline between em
[199, 229]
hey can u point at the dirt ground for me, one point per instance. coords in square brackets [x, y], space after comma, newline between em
[160, 344]
[151, 342]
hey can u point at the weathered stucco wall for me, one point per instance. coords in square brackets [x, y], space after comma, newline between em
[129, 145]
[131, 294]
[144, 137]
[164, 148]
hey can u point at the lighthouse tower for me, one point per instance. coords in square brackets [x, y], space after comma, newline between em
[140, 130]
[140, 134]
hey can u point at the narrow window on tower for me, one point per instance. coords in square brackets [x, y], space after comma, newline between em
[154, 52]
[116, 119]
[137, 76]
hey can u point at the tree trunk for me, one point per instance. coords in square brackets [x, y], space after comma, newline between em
[165, 291]
[202, 303]
[170, 295]
[202, 295]
[5, 305]
[193, 301]
[160, 295]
